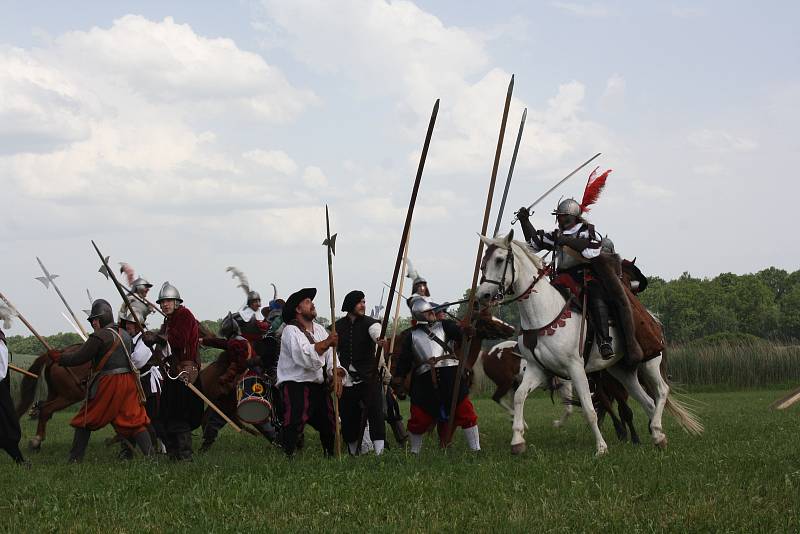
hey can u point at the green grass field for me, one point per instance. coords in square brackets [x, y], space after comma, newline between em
[742, 475]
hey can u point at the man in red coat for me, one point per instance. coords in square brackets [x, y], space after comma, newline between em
[181, 410]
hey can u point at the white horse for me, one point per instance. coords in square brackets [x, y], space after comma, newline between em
[511, 268]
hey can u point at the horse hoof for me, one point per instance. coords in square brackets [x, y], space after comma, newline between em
[556, 424]
[518, 448]
[662, 443]
[35, 444]
[601, 451]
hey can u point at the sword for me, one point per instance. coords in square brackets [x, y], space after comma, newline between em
[48, 279]
[564, 179]
[510, 172]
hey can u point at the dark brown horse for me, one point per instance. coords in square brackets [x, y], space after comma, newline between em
[65, 387]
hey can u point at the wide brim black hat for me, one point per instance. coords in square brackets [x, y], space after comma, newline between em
[294, 300]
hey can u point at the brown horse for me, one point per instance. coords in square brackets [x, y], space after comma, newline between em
[65, 387]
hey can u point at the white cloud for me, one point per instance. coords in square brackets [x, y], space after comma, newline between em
[647, 190]
[708, 169]
[687, 12]
[276, 160]
[133, 130]
[721, 141]
[593, 10]
[614, 94]
[314, 178]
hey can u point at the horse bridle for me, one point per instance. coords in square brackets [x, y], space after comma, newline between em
[503, 290]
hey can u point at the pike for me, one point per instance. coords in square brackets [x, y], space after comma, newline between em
[510, 172]
[330, 244]
[399, 292]
[104, 270]
[48, 279]
[786, 401]
[139, 324]
[564, 179]
[407, 225]
[74, 326]
[33, 331]
[467, 341]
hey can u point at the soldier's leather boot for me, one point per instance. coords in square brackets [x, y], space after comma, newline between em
[79, 443]
[144, 442]
[598, 310]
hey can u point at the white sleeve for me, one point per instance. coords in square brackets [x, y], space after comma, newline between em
[303, 352]
[141, 354]
[375, 331]
[3, 360]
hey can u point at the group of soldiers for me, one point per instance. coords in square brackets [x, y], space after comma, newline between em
[145, 383]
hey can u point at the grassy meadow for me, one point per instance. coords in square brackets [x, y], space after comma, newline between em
[742, 475]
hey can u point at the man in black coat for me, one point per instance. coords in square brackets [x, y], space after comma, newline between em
[362, 396]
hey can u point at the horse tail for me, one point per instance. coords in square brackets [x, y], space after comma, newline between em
[680, 410]
[28, 384]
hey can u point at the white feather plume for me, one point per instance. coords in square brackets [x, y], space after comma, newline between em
[243, 282]
[6, 314]
[411, 272]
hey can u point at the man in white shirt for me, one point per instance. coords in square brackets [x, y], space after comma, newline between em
[9, 422]
[304, 365]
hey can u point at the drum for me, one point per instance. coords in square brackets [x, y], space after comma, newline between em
[253, 398]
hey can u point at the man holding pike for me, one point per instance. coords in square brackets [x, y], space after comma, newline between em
[362, 396]
[429, 353]
[304, 366]
[180, 411]
[113, 393]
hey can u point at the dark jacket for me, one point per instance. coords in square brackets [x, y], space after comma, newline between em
[356, 347]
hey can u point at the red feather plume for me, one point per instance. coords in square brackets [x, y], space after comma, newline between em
[594, 186]
[127, 270]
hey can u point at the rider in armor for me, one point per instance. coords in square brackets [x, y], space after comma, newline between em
[113, 393]
[429, 353]
[577, 248]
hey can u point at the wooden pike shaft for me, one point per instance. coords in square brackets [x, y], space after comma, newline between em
[26, 323]
[21, 370]
[338, 442]
[407, 225]
[396, 318]
[61, 296]
[143, 300]
[466, 341]
[213, 406]
[117, 285]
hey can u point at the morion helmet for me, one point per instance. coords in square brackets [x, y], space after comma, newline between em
[252, 295]
[101, 310]
[229, 327]
[141, 282]
[169, 292]
[419, 307]
[568, 206]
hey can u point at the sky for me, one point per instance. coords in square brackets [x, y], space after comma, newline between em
[186, 137]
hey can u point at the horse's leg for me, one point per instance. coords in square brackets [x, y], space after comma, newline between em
[532, 378]
[630, 381]
[47, 410]
[607, 407]
[581, 385]
[626, 414]
[652, 377]
[565, 392]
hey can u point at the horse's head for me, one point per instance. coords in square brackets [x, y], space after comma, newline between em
[497, 268]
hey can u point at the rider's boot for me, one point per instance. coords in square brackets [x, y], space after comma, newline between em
[598, 309]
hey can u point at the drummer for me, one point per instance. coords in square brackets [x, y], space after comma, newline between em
[232, 366]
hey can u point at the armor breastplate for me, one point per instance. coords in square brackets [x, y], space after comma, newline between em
[565, 260]
[119, 358]
[425, 348]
